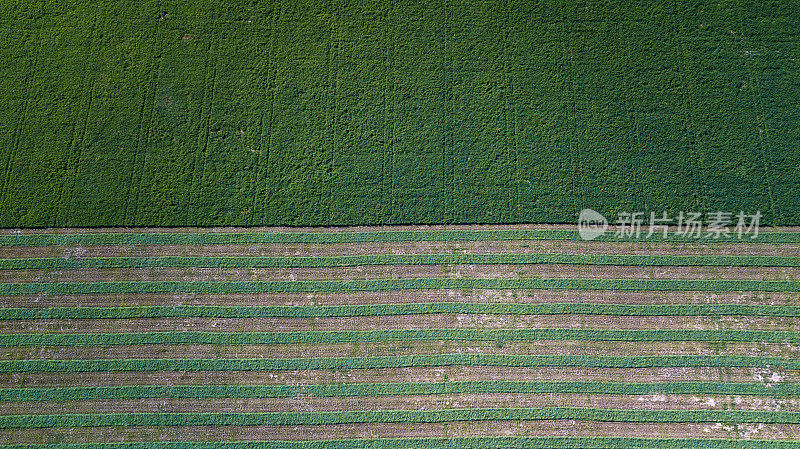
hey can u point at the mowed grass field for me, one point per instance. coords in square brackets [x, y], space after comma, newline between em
[414, 337]
[320, 113]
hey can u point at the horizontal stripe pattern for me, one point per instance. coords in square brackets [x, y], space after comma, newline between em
[48, 352]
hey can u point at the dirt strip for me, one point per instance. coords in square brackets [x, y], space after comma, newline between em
[494, 271]
[426, 247]
[654, 401]
[434, 430]
[399, 322]
[412, 374]
[401, 348]
[401, 296]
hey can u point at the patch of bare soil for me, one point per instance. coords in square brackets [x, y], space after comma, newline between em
[655, 401]
[394, 349]
[423, 247]
[400, 430]
[547, 271]
[398, 322]
[411, 374]
[532, 296]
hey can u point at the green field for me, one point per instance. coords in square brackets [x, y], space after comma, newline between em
[344, 113]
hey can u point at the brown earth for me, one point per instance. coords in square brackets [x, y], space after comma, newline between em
[411, 374]
[434, 430]
[398, 322]
[354, 249]
[401, 348]
[546, 271]
[44, 300]
[655, 401]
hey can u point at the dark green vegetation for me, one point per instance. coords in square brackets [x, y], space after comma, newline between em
[292, 112]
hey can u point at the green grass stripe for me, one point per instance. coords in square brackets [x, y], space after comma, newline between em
[395, 416]
[135, 312]
[326, 337]
[399, 259]
[383, 362]
[132, 287]
[125, 238]
[450, 443]
[391, 389]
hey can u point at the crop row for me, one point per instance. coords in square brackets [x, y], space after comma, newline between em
[137, 312]
[325, 337]
[400, 259]
[225, 238]
[449, 443]
[392, 389]
[395, 416]
[332, 286]
[384, 362]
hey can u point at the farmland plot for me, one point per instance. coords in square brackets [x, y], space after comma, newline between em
[638, 344]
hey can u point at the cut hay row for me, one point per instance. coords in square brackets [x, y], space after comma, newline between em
[376, 285]
[157, 238]
[390, 416]
[398, 259]
[392, 389]
[325, 337]
[383, 362]
[363, 310]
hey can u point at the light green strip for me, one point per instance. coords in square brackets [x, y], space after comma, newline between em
[397, 309]
[390, 389]
[327, 337]
[395, 416]
[385, 362]
[399, 259]
[716, 285]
